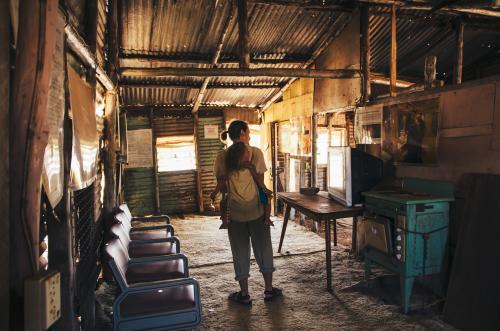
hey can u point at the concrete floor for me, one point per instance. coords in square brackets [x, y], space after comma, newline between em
[302, 276]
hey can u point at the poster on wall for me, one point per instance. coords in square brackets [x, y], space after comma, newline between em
[211, 131]
[368, 125]
[53, 174]
[410, 132]
[140, 150]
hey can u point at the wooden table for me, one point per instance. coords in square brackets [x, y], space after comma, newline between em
[320, 208]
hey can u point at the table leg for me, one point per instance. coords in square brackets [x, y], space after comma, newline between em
[354, 235]
[285, 223]
[335, 232]
[328, 243]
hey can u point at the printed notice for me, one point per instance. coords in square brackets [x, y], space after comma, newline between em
[211, 131]
[140, 151]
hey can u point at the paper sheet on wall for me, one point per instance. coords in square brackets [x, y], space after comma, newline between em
[53, 174]
[368, 125]
[140, 151]
[85, 137]
[211, 131]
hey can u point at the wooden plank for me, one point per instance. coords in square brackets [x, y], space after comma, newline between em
[35, 48]
[243, 34]
[459, 55]
[365, 50]
[109, 152]
[480, 130]
[4, 163]
[393, 58]
[314, 143]
[155, 163]
[199, 188]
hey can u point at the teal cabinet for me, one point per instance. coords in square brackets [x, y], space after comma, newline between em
[417, 224]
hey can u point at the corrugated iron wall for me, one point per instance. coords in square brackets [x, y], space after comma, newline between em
[172, 126]
[178, 192]
[139, 182]
[208, 149]
[139, 190]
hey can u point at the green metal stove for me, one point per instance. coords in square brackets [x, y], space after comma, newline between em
[406, 230]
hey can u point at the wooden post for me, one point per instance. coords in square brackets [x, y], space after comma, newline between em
[457, 77]
[393, 64]
[112, 36]
[314, 145]
[430, 71]
[5, 40]
[365, 50]
[243, 34]
[274, 153]
[61, 237]
[110, 151]
[35, 48]
[199, 188]
[155, 163]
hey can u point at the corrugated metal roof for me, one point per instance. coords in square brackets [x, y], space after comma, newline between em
[171, 26]
[193, 27]
[418, 35]
[190, 29]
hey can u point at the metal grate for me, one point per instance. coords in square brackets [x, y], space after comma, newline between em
[88, 237]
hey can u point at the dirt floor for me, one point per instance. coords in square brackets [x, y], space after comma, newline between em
[301, 274]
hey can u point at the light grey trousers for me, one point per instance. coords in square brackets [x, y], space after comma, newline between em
[240, 235]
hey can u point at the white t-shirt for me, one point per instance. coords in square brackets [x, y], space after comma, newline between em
[243, 197]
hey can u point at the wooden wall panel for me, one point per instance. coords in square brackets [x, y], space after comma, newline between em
[4, 162]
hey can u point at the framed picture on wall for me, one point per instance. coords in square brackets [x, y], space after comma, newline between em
[410, 132]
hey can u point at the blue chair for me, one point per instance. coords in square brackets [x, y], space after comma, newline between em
[151, 302]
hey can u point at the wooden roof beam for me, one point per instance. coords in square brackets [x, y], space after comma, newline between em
[292, 59]
[428, 6]
[210, 86]
[307, 5]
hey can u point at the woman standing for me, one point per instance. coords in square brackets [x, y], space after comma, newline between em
[246, 216]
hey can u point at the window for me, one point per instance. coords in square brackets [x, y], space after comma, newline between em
[176, 153]
[322, 148]
[338, 137]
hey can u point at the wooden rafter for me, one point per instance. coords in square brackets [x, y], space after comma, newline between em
[393, 57]
[213, 62]
[243, 34]
[459, 55]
